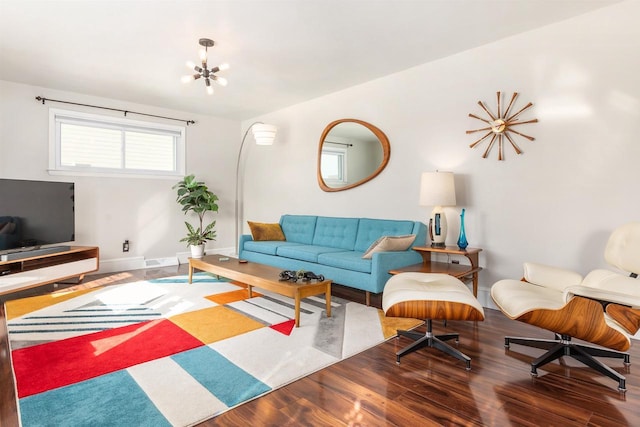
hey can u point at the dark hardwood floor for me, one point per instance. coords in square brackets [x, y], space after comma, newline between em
[427, 388]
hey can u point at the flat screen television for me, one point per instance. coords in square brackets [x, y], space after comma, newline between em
[35, 213]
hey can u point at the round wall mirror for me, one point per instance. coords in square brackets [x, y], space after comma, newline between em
[351, 152]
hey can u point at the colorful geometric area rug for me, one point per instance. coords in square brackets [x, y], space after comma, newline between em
[164, 352]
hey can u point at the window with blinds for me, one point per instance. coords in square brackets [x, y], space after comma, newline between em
[88, 143]
[333, 165]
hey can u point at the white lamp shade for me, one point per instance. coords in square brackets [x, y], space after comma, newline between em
[264, 134]
[437, 189]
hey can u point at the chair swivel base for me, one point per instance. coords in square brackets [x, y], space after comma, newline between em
[562, 346]
[433, 341]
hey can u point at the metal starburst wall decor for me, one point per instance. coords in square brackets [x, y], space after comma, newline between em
[501, 127]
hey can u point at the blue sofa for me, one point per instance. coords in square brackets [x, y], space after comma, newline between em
[334, 248]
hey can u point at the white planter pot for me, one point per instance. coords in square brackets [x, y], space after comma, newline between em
[197, 251]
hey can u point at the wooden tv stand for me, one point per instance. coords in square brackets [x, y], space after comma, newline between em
[38, 270]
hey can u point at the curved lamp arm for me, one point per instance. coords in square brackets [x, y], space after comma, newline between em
[262, 138]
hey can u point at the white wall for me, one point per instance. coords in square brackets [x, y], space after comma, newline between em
[556, 203]
[110, 210]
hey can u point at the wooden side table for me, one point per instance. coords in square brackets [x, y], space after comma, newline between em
[459, 271]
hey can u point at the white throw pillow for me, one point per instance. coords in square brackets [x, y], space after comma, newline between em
[390, 244]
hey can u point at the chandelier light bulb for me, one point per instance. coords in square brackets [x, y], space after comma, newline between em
[186, 79]
[210, 90]
[221, 81]
[190, 65]
[223, 67]
[203, 55]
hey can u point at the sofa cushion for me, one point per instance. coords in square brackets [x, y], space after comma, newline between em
[348, 260]
[266, 247]
[262, 231]
[390, 244]
[298, 228]
[369, 230]
[308, 253]
[336, 232]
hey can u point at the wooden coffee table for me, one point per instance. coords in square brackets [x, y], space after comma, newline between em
[261, 276]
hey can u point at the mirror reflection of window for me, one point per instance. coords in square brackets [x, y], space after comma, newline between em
[361, 148]
[365, 152]
[334, 165]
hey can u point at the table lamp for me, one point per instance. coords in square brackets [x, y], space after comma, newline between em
[437, 189]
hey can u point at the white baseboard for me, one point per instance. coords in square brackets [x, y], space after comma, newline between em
[121, 264]
[137, 263]
[183, 257]
[161, 262]
[484, 297]
[222, 251]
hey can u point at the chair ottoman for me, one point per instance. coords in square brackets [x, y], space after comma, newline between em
[430, 296]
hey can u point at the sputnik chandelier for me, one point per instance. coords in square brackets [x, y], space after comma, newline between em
[204, 71]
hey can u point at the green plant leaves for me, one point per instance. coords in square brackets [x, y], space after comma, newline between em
[196, 197]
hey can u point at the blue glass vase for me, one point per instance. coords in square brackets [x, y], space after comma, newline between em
[462, 239]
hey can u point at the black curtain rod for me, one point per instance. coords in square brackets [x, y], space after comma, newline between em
[43, 99]
[339, 143]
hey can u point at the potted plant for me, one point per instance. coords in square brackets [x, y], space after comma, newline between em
[194, 196]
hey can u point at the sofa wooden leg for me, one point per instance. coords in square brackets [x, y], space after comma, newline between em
[367, 298]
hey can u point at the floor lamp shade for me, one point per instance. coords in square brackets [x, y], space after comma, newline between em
[437, 189]
[264, 135]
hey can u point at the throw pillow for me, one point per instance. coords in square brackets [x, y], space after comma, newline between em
[263, 231]
[390, 244]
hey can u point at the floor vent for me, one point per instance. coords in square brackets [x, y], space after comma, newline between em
[160, 262]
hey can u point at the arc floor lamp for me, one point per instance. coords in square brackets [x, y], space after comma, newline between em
[264, 135]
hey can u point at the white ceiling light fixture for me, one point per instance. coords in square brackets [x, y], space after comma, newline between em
[204, 71]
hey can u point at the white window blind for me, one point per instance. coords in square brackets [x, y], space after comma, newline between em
[87, 143]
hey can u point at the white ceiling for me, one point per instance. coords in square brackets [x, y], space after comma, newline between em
[281, 52]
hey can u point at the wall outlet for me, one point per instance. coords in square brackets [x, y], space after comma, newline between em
[125, 246]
